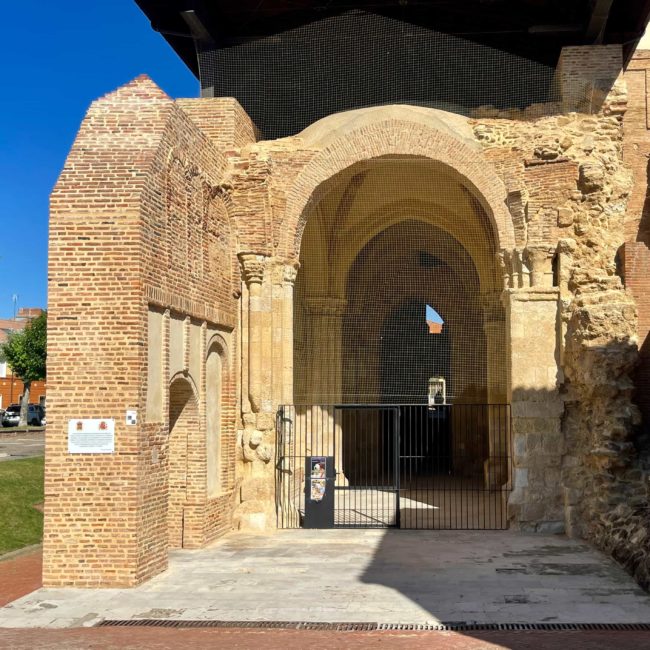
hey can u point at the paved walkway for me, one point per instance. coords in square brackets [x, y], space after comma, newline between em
[15, 445]
[384, 576]
[20, 574]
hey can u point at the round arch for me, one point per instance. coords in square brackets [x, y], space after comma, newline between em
[393, 214]
[395, 137]
[184, 422]
[216, 341]
[180, 376]
[217, 386]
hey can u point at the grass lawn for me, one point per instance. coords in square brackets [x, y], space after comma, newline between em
[21, 487]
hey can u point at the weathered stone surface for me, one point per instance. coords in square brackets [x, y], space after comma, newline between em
[208, 225]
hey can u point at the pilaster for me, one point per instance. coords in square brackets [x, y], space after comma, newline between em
[535, 503]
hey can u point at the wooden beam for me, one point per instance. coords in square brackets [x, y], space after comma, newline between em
[199, 31]
[595, 31]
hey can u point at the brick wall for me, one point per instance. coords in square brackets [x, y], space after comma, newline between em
[156, 200]
[636, 269]
[137, 223]
[636, 254]
[585, 75]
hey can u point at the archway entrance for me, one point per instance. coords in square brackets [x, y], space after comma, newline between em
[183, 425]
[389, 242]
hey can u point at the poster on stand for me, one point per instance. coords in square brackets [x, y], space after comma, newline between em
[318, 466]
[317, 489]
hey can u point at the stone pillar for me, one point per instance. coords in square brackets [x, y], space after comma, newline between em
[495, 466]
[326, 314]
[535, 503]
[256, 509]
[253, 273]
[284, 280]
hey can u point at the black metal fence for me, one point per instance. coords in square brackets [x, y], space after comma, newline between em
[408, 466]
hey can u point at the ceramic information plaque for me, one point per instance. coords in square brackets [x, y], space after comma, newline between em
[91, 436]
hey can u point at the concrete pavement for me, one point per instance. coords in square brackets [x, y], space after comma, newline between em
[15, 445]
[383, 576]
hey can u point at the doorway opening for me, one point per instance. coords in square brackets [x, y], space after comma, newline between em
[388, 243]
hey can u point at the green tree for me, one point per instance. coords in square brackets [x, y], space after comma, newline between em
[26, 354]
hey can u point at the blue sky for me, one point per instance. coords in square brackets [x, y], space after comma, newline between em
[56, 57]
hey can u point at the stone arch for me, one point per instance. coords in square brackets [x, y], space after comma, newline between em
[392, 214]
[184, 423]
[183, 375]
[217, 388]
[398, 138]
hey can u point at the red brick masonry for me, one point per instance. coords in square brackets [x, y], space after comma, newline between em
[19, 576]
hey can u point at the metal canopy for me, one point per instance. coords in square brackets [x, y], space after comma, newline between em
[535, 29]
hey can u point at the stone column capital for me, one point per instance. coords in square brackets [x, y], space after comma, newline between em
[513, 267]
[539, 258]
[252, 265]
[290, 273]
[326, 305]
[284, 271]
[539, 253]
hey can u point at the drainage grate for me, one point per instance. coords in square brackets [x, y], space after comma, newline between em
[369, 627]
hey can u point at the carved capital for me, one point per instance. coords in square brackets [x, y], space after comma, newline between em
[539, 258]
[290, 273]
[284, 271]
[252, 265]
[515, 272]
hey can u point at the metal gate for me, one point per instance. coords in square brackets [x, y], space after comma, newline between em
[446, 467]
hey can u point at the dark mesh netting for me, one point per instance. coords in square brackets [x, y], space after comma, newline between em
[289, 80]
[398, 284]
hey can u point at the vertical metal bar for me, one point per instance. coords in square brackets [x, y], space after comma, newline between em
[474, 446]
[485, 495]
[499, 451]
[413, 477]
[433, 462]
[357, 468]
[442, 463]
[499, 495]
[420, 446]
[383, 508]
[278, 484]
[498, 459]
[397, 437]
[454, 484]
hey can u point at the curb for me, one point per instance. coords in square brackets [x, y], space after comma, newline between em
[17, 431]
[25, 550]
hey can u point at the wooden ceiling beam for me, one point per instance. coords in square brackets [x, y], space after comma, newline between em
[595, 32]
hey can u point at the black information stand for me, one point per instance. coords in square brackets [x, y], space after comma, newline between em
[319, 492]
